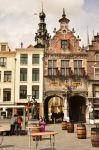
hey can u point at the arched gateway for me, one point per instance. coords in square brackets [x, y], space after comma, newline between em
[77, 108]
[74, 107]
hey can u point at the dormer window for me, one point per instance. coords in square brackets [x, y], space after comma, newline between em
[3, 47]
[64, 44]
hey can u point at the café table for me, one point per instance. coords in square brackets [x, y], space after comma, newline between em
[2, 131]
[30, 128]
[51, 135]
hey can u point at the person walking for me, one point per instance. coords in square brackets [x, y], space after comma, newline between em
[19, 125]
[12, 126]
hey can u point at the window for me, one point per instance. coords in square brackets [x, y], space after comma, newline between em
[35, 74]
[3, 47]
[35, 91]
[23, 92]
[7, 94]
[7, 76]
[64, 44]
[65, 67]
[78, 67]
[96, 90]
[52, 70]
[23, 59]
[3, 61]
[97, 57]
[96, 114]
[35, 59]
[0, 93]
[0, 76]
[23, 74]
[96, 73]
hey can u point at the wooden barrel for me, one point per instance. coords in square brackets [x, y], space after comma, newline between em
[70, 127]
[35, 130]
[81, 131]
[64, 125]
[95, 137]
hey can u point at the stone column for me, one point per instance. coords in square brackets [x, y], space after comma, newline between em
[65, 107]
[89, 110]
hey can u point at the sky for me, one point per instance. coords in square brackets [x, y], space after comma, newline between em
[19, 19]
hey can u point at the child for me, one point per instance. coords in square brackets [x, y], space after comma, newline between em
[42, 124]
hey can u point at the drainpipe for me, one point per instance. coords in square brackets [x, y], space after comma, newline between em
[14, 85]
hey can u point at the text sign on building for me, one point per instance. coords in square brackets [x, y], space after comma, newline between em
[74, 84]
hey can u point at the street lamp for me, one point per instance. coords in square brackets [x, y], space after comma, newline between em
[28, 98]
[67, 91]
[34, 108]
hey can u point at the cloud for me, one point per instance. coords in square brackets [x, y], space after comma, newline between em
[19, 24]
[91, 6]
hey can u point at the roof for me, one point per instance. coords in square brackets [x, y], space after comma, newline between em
[30, 46]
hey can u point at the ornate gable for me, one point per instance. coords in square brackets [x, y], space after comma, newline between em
[64, 40]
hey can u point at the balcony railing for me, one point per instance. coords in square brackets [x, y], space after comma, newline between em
[65, 72]
[59, 72]
[53, 72]
[79, 73]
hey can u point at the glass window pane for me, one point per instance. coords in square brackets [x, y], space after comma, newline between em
[35, 59]
[64, 44]
[7, 76]
[7, 94]
[23, 92]
[65, 63]
[97, 57]
[50, 64]
[35, 91]
[35, 74]
[23, 74]
[23, 59]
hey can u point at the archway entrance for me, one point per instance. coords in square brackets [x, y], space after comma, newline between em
[77, 109]
[53, 104]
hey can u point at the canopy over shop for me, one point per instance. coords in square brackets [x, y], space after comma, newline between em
[14, 110]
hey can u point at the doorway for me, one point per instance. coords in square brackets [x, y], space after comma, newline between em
[53, 104]
[77, 109]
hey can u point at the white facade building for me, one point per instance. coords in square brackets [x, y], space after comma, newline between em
[29, 74]
[21, 75]
[7, 74]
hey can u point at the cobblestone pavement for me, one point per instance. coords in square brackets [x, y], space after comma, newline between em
[63, 141]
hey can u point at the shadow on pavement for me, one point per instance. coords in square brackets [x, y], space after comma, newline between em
[48, 149]
[6, 146]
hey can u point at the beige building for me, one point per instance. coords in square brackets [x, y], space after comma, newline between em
[21, 76]
[29, 75]
[7, 75]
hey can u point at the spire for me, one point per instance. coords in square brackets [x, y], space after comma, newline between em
[93, 35]
[42, 5]
[64, 19]
[88, 37]
[63, 15]
[41, 36]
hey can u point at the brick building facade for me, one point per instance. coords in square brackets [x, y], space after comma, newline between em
[65, 75]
